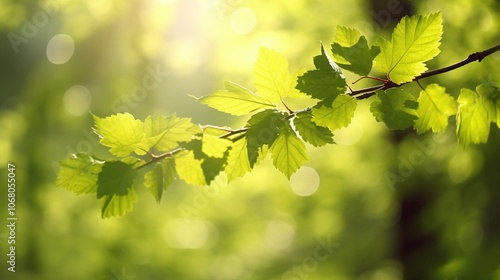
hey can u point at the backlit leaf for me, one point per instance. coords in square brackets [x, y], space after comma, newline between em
[235, 100]
[160, 177]
[435, 106]
[262, 130]
[115, 178]
[351, 51]
[237, 160]
[165, 132]
[189, 168]
[288, 151]
[473, 118]
[122, 133]
[336, 114]
[78, 174]
[310, 131]
[326, 81]
[214, 146]
[415, 40]
[272, 77]
[396, 108]
[114, 187]
[117, 205]
[492, 94]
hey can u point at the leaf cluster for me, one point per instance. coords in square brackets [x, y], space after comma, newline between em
[170, 148]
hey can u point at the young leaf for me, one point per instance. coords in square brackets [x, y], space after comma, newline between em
[473, 118]
[160, 177]
[288, 151]
[262, 130]
[351, 51]
[415, 40]
[214, 146]
[165, 132]
[235, 100]
[237, 160]
[435, 106]
[117, 205]
[327, 81]
[189, 168]
[492, 94]
[396, 108]
[79, 174]
[114, 187]
[272, 78]
[122, 133]
[336, 114]
[210, 166]
[311, 132]
[115, 178]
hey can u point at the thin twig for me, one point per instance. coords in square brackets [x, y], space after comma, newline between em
[359, 94]
[477, 56]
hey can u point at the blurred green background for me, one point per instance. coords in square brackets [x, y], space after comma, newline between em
[338, 218]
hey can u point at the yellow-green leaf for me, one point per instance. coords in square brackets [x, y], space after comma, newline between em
[237, 160]
[272, 77]
[165, 132]
[415, 40]
[189, 168]
[78, 174]
[214, 146]
[288, 151]
[473, 120]
[235, 100]
[435, 106]
[336, 114]
[122, 133]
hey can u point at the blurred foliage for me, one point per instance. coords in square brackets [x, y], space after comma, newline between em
[440, 221]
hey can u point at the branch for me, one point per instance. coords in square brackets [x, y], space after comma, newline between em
[477, 56]
[359, 94]
[155, 158]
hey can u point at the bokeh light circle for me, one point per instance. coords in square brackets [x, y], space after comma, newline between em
[305, 181]
[243, 21]
[60, 49]
[77, 100]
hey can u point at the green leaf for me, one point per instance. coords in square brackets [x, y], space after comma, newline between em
[115, 178]
[492, 94]
[272, 78]
[396, 108]
[189, 168]
[133, 161]
[237, 160]
[117, 205]
[262, 130]
[214, 146]
[309, 131]
[336, 114]
[153, 181]
[211, 166]
[122, 133]
[78, 174]
[473, 118]
[160, 177]
[114, 187]
[165, 132]
[435, 106]
[415, 40]
[351, 51]
[326, 81]
[235, 100]
[288, 151]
